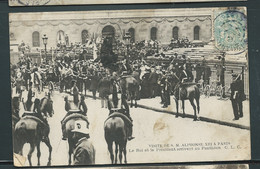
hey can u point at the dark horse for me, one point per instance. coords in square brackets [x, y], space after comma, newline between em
[32, 129]
[187, 91]
[116, 131]
[46, 106]
[130, 86]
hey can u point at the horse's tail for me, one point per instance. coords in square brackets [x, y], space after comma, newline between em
[19, 137]
[21, 129]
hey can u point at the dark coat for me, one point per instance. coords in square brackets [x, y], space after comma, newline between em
[237, 90]
[93, 82]
[153, 78]
[105, 87]
[84, 153]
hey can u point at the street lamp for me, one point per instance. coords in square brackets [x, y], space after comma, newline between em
[126, 39]
[45, 39]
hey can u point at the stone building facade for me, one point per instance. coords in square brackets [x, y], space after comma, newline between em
[162, 27]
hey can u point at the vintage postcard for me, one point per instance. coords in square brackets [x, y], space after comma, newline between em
[130, 86]
[85, 2]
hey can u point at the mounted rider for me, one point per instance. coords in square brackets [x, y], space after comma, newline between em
[73, 109]
[126, 66]
[124, 113]
[39, 116]
[185, 75]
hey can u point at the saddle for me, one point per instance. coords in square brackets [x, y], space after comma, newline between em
[122, 115]
[185, 89]
[36, 117]
[75, 114]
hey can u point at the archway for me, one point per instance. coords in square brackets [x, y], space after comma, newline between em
[108, 32]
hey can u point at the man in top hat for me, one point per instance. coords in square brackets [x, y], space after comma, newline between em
[165, 90]
[221, 71]
[84, 152]
[75, 93]
[153, 86]
[145, 88]
[237, 96]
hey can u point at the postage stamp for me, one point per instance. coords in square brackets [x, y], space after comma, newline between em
[230, 31]
[30, 2]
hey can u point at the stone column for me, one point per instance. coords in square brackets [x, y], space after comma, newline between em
[212, 26]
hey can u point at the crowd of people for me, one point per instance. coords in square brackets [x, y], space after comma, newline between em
[155, 79]
[180, 43]
[106, 76]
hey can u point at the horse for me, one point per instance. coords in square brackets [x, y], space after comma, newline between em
[69, 124]
[187, 91]
[46, 106]
[33, 130]
[116, 132]
[130, 87]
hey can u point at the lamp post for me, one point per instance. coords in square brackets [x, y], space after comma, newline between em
[45, 40]
[126, 39]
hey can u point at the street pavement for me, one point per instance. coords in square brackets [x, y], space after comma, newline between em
[152, 129]
[210, 107]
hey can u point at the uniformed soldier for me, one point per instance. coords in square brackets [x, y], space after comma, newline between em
[165, 86]
[221, 71]
[237, 96]
[84, 152]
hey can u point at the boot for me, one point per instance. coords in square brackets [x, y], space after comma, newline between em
[102, 103]
[130, 137]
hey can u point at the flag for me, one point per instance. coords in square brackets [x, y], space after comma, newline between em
[94, 51]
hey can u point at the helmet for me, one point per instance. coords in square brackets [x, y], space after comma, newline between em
[80, 126]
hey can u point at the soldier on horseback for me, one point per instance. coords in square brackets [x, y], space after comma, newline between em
[185, 74]
[72, 108]
[125, 111]
[45, 129]
[126, 66]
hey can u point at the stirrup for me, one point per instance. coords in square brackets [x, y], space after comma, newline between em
[64, 138]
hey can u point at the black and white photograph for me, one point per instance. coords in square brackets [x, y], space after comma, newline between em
[130, 86]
